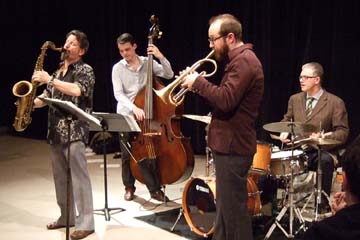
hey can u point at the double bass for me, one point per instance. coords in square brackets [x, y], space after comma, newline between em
[160, 139]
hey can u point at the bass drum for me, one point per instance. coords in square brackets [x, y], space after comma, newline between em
[199, 204]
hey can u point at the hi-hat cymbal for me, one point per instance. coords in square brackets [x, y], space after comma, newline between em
[289, 126]
[325, 141]
[205, 119]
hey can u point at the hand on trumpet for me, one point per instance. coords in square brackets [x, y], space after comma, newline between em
[41, 77]
[189, 80]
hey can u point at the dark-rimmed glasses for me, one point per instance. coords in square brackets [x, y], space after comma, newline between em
[213, 40]
[306, 77]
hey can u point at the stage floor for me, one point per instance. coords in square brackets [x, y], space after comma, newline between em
[28, 203]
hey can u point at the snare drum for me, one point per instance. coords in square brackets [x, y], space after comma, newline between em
[199, 203]
[280, 163]
[261, 160]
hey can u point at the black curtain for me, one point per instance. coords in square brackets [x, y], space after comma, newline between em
[285, 35]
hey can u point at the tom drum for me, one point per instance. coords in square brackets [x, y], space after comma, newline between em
[261, 160]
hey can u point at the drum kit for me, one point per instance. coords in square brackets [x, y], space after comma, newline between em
[199, 195]
[294, 166]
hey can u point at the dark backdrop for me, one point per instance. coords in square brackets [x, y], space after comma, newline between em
[285, 34]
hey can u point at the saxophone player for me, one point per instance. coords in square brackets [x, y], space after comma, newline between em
[73, 82]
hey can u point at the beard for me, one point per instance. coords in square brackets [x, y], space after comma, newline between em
[222, 53]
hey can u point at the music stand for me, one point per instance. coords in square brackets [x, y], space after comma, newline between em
[112, 122]
[71, 112]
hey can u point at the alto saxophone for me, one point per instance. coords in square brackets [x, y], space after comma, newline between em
[26, 91]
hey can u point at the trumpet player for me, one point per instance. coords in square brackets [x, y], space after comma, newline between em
[231, 135]
[74, 82]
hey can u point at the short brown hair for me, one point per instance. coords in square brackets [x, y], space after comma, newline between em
[229, 24]
[125, 38]
[81, 37]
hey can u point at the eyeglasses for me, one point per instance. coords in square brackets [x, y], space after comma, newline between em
[306, 77]
[213, 40]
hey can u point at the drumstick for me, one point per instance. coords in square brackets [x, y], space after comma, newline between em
[310, 138]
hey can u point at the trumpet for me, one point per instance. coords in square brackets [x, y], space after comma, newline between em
[168, 95]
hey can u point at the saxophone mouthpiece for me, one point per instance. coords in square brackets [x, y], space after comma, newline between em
[64, 54]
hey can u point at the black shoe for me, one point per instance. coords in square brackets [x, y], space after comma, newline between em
[117, 155]
[159, 195]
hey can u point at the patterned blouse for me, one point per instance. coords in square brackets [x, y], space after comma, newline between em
[83, 75]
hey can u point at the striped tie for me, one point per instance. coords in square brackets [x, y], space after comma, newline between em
[309, 106]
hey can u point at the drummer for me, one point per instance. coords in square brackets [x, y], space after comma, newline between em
[327, 112]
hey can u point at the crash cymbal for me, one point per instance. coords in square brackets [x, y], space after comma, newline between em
[288, 126]
[325, 141]
[205, 119]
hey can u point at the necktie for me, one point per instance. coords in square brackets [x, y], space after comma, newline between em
[309, 107]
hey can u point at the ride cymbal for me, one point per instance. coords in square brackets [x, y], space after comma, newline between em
[297, 127]
[205, 119]
[325, 141]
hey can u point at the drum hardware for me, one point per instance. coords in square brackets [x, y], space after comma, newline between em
[318, 189]
[209, 162]
[205, 119]
[288, 127]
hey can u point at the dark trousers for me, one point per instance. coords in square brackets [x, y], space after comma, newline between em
[232, 220]
[327, 166]
[147, 167]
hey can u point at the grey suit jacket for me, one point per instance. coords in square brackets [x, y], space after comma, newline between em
[330, 112]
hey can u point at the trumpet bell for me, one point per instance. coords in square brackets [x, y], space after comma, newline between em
[168, 95]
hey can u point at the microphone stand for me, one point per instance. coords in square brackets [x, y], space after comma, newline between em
[68, 179]
[68, 115]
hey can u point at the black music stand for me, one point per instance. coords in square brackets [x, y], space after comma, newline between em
[71, 112]
[111, 122]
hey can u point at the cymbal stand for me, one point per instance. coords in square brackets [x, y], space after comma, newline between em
[290, 205]
[209, 161]
[317, 190]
